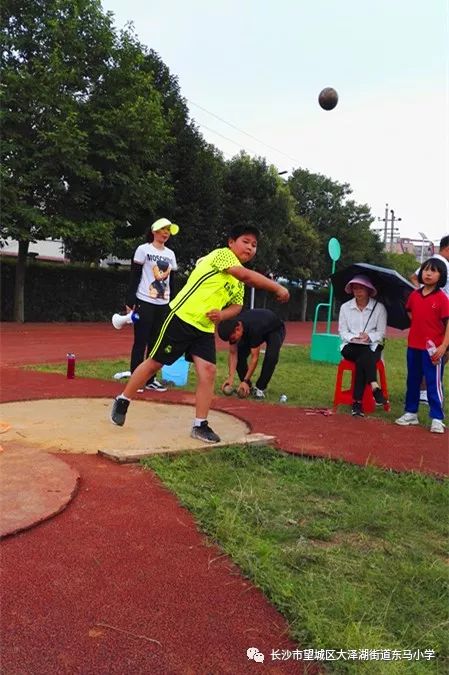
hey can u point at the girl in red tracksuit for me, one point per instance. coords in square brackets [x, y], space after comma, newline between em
[428, 308]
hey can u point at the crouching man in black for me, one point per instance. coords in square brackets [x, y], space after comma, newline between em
[245, 334]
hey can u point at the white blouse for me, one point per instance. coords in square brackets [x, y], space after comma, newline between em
[352, 321]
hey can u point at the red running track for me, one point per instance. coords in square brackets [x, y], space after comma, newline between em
[39, 342]
[122, 583]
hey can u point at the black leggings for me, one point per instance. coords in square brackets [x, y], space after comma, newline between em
[146, 330]
[365, 365]
[274, 342]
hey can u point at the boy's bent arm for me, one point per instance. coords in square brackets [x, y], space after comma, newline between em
[251, 278]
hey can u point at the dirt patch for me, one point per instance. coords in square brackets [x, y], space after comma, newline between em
[82, 425]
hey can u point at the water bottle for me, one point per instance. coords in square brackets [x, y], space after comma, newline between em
[70, 366]
[282, 398]
[431, 348]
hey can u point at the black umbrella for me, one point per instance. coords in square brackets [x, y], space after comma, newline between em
[392, 289]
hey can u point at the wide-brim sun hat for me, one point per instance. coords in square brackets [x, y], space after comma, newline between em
[164, 222]
[363, 281]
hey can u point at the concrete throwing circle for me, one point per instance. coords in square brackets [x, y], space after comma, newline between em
[83, 425]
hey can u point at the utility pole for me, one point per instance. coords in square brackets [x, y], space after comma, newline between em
[393, 218]
[388, 227]
[385, 221]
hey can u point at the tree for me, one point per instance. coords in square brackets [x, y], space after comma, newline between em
[127, 135]
[404, 263]
[53, 50]
[297, 249]
[324, 204]
[255, 195]
[196, 170]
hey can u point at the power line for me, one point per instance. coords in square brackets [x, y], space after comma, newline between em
[225, 137]
[233, 126]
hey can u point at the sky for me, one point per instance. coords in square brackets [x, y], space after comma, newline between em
[251, 72]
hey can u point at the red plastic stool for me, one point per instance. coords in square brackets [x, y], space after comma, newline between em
[345, 396]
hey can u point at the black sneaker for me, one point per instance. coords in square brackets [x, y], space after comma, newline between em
[357, 409]
[119, 410]
[205, 433]
[155, 385]
[379, 397]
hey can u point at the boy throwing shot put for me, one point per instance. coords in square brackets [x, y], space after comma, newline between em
[214, 292]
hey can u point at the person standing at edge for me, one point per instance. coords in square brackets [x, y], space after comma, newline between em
[443, 255]
[214, 292]
[245, 334]
[428, 340]
[149, 292]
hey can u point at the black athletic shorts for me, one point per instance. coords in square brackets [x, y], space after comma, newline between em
[177, 338]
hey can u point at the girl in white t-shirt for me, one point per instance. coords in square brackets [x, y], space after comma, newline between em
[149, 291]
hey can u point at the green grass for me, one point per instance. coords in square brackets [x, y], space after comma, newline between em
[354, 558]
[305, 382]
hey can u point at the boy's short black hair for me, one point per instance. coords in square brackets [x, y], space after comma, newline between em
[444, 243]
[435, 265]
[238, 230]
[226, 328]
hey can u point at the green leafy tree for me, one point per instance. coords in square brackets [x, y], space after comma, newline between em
[128, 135]
[198, 177]
[404, 263]
[326, 206]
[196, 171]
[255, 195]
[297, 248]
[52, 52]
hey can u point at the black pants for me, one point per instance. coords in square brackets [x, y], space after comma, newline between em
[146, 330]
[274, 342]
[365, 365]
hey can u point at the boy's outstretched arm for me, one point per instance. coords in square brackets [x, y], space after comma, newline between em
[251, 278]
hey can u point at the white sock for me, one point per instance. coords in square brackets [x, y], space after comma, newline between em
[197, 421]
[123, 396]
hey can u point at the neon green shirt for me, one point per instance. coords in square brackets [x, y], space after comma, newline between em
[209, 287]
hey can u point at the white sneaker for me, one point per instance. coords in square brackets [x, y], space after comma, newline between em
[257, 393]
[155, 385]
[122, 374]
[407, 419]
[437, 427]
[423, 396]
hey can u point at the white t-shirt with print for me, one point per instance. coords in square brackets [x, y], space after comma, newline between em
[155, 262]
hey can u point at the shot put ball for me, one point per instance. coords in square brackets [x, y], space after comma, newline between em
[328, 98]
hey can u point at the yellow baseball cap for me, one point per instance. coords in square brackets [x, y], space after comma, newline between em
[164, 222]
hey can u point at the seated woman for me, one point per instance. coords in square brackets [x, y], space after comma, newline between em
[362, 323]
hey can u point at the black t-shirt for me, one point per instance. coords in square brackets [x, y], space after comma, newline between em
[257, 324]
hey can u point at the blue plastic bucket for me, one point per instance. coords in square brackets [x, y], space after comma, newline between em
[178, 372]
